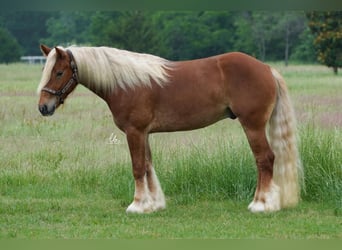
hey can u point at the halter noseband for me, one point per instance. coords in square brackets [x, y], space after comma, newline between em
[74, 78]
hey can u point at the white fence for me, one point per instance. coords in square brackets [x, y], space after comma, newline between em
[33, 59]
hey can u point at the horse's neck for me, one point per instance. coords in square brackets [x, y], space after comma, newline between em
[100, 93]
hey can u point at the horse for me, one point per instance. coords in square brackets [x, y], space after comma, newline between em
[149, 94]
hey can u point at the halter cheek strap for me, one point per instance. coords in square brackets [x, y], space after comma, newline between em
[74, 79]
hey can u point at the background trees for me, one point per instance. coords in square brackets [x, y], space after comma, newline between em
[66, 28]
[270, 35]
[327, 30]
[28, 27]
[10, 50]
[132, 30]
[176, 35]
[186, 35]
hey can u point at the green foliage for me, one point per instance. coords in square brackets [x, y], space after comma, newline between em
[179, 35]
[195, 34]
[131, 30]
[304, 51]
[67, 28]
[10, 50]
[28, 27]
[327, 30]
[102, 24]
[268, 35]
[176, 35]
[245, 41]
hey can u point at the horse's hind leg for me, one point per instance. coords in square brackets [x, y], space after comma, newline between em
[266, 196]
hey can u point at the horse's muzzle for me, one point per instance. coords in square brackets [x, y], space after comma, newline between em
[45, 110]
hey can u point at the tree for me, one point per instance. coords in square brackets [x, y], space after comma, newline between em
[68, 28]
[184, 35]
[10, 50]
[28, 27]
[245, 41]
[130, 30]
[192, 34]
[102, 24]
[259, 34]
[263, 31]
[291, 24]
[327, 30]
[134, 32]
[269, 35]
[304, 51]
[176, 35]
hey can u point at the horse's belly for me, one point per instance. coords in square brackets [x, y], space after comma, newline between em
[187, 118]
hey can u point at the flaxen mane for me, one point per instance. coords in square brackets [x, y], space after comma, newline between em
[104, 68]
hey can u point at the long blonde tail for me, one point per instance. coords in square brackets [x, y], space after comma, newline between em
[287, 171]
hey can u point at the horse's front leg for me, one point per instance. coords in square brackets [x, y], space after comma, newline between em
[143, 201]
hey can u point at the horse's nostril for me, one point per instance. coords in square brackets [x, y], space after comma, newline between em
[43, 109]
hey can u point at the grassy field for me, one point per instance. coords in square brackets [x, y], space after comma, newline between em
[62, 177]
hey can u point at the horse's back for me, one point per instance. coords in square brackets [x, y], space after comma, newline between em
[239, 64]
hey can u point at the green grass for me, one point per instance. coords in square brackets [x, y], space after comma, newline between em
[60, 178]
[83, 218]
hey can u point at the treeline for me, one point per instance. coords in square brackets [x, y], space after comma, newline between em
[174, 35]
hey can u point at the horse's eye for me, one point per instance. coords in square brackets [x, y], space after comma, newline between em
[59, 74]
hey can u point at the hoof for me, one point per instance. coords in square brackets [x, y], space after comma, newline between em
[266, 202]
[145, 207]
[135, 208]
[259, 207]
[256, 207]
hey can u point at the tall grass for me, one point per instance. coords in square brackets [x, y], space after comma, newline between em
[321, 152]
[221, 170]
[228, 171]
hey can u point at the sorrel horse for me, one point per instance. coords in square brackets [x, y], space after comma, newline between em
[148, 94]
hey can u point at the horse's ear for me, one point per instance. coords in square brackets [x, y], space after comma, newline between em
[45, 49]
[60, 53]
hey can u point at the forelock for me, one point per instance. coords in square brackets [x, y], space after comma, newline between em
[46, 74]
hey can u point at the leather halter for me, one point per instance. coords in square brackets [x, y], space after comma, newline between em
[74, 79]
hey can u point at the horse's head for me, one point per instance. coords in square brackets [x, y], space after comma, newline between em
[58, 80]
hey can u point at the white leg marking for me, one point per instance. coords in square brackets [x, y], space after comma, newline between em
[271, 201]
[143, 202]
[156, 191]
[148, 199]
